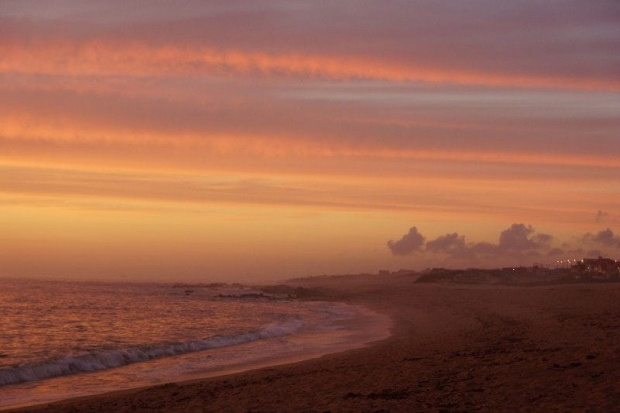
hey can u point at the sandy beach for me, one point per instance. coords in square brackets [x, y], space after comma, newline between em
[453, 348]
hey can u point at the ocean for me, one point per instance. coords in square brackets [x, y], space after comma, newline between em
[69, 339]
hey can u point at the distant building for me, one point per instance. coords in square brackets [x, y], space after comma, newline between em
[599, 267]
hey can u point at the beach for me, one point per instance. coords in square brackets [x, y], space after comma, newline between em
[453, 347]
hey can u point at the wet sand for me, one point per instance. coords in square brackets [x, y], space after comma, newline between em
[453, 348]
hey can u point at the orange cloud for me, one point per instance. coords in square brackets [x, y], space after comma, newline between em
[137, 59]
[26, 128]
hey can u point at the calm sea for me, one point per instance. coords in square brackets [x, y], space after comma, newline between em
[69, 339]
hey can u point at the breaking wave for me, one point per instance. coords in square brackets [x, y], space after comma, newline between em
[106, 359]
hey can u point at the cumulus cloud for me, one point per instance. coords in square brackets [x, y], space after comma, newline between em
[484, 248]
[601, 216]
[449, 244]
[519, 244]
[456, 246]
[555, 252]
[521, 238]
[606, 237]
[517, 241]
[409, 243]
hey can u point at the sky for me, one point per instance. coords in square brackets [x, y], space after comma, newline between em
[254, 140]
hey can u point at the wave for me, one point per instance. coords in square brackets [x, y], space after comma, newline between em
[107, 359]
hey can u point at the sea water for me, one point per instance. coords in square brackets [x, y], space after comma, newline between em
[68, 339]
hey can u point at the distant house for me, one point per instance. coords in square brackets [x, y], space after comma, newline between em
[600, 267]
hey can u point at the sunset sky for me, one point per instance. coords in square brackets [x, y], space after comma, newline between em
[252, 140]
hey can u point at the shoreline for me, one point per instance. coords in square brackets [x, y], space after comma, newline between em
[359, 328]
[453, 348]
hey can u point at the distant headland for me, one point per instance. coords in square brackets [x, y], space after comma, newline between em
[566, 271]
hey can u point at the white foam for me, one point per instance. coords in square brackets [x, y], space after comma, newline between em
[107, 359]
